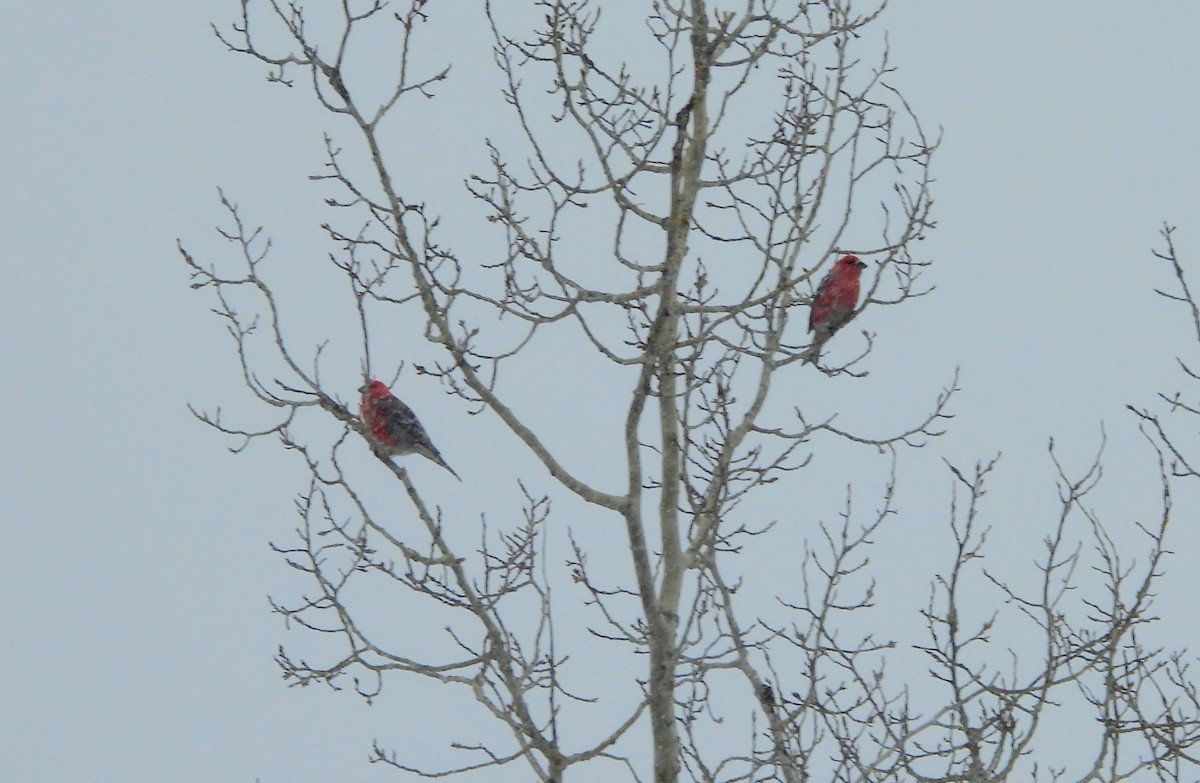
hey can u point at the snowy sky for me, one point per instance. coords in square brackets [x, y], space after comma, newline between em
[137, 642]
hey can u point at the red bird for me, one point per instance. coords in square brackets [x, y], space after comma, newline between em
[834, 304]
[394, 427]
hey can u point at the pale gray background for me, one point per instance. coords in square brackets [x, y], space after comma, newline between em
[136, 642]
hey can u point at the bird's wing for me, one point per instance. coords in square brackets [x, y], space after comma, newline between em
[400, 420]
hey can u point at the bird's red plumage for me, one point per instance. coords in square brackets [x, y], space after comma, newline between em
[378, 407]
[836, 297]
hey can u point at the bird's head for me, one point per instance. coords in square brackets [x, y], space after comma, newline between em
[374, 389]
[851, 262]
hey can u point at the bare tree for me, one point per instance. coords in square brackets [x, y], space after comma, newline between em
[1178, 403]
[748, 144]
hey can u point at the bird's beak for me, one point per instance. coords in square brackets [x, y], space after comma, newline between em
[362, 389]
[861, 264]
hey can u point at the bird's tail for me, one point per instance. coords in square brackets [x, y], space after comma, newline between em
[442, 462]
[433, 455]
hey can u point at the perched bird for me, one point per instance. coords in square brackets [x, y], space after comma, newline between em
[394, 426]
[834, 304]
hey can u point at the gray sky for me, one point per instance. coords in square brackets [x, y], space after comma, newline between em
[137, 642]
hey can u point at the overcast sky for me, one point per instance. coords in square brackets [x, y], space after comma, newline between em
[137, 641]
